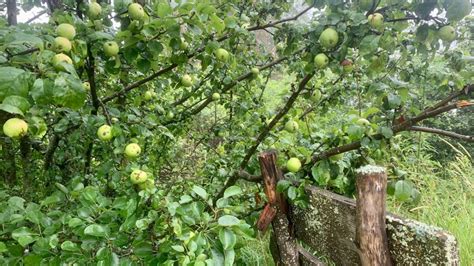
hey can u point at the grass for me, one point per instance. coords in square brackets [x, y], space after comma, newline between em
[447, 197]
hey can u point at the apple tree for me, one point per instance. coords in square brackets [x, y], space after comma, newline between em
[130, 129]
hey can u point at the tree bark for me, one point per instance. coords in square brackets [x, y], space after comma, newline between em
[11, 11]
[371, 186]
[285, 243]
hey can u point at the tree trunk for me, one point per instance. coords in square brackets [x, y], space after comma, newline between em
[11, 11]
[285, 243]
[371, 185]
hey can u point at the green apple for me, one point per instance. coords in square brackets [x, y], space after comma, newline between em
[66, 30]
[170, 115]
[149, 94]
[329, 38]
[62, 44]
[447, 33]
[376, 21]
[105, 132]
[138, 176]
[111, 48]
[321, 60]
[363, 122]
[291, 126]
[132, 150]
[366, 4]
[347, 66]
[255, 71]
[136, 12]
[94, 10]
[316, 96]
[222, 54]
[15, 128]
[216, 96]
[187, 80]
[148, 184]
[61, 58]
[293, 165]
[86, 85]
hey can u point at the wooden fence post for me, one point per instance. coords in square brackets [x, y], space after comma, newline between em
[371, 185]
[286, 244]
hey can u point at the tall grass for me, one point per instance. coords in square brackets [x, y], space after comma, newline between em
[447, 191]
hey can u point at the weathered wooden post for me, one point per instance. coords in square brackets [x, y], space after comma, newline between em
[371, 185]
[276, 211]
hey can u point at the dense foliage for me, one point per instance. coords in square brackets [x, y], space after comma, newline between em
[130, 130]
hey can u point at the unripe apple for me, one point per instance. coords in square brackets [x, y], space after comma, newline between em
[316, 96]
[447, 33]
[138, 176]
[15, 128]
[111, 48]
[105, 132]
[170, 115]
[293, 165]
[66, 30]
[321, 60]
[86, 85]
[94, 10]
[187, 80]
[149, 95]
[148, 184]
[291, 126]
[216, 96]
[255, 71]
[329, 38]
[62, 44]
[376, 21]
[222, 54]
[347, 65]
[132, 150]
[363, 122]
[136, 12]
[61, 58]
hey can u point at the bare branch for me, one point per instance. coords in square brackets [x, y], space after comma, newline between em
[272, 24]
[442, 132]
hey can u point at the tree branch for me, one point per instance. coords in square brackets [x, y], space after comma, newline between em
[200, 50]
[263, 134]
[442, 132]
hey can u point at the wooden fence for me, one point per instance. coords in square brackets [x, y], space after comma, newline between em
[348, 232]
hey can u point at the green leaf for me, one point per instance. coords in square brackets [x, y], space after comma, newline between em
[16, 202]
[228, 220]
[200, 192]
[68, 91]
[19, 38]
[69, 246]
[3, 247]
[217, 23]
[14, 81]
[178, 248]
[227, 238]
[292, 193]
[74, 222]
[11, 109]
[369, 44]
[17, 101]
[386, 132]
[229, 257]
[24, 236]
[96, 230]
[458, 9]
[403, 190]
[163, 9]
[232, 191]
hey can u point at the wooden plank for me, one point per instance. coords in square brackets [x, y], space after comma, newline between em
[328, 226]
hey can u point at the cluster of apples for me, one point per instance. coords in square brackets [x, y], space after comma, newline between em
[132, 151]
[329, 39]
[222, 56]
